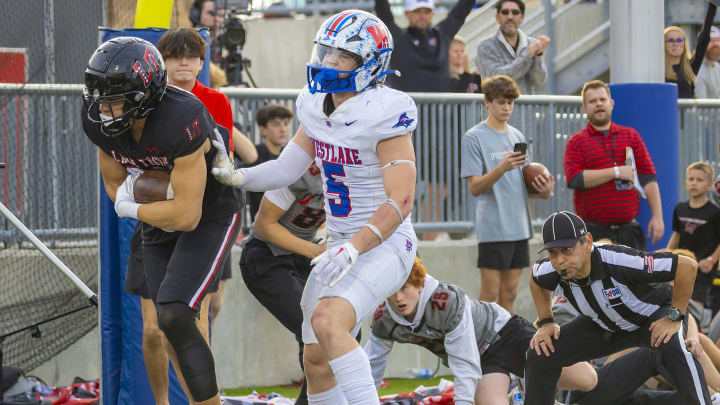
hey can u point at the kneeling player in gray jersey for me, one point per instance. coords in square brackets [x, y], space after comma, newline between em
[480, 342]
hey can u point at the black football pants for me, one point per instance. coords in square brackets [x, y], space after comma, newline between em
[582, 339]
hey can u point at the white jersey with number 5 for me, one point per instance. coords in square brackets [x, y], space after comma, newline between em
[345, 150]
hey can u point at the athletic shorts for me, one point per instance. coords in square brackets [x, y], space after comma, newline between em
[377, 274]
[504, 255]
[135, 276]
[507, 355]
[187, 266]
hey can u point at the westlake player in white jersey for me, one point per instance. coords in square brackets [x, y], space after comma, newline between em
[358, 132]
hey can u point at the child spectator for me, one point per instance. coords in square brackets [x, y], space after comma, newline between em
[696, 227]
[274, 123]
[501, 200]
[461, 79]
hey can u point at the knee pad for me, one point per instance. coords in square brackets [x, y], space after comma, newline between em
[177, 320]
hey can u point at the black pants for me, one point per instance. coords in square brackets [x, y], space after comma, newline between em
[278, 283]
[630, 234]
[582, 339]
[618, 382]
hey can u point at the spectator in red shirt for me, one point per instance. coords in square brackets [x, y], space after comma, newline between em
[595, 167]
[183, 50]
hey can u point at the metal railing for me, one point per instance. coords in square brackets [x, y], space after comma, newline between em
[442, 200]
[50, 182]
[51, 178]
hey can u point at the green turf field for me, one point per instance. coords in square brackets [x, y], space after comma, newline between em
[397, 385]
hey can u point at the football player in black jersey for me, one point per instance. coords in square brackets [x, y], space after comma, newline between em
[140, 123]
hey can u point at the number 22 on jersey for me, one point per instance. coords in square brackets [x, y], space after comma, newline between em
[340, 206]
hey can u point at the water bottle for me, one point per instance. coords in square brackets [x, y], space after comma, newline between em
[421, 373]
[517, 399]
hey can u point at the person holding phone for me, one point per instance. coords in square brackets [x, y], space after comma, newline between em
[493, 155]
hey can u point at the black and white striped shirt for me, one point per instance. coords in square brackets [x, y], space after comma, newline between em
[622, 293]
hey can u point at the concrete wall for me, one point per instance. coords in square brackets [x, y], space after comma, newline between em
[252, 348]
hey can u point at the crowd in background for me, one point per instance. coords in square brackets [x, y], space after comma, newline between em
[606, 182]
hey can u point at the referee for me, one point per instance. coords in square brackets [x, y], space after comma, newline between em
[611, 286]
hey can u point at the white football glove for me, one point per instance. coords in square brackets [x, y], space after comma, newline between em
[125, 205]
[334, 263]
[223, 169]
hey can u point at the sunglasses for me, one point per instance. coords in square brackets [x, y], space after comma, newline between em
[674, 41]
[508, 11]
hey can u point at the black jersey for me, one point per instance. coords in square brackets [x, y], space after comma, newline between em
[177, 127]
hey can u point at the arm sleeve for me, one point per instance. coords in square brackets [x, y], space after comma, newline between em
[382, 9]
[545, 275]
[398, 116]
[281, 172]
[195, 127]
[456, 18]
[464, 358]
[539, 73]
[703, 39]
[643, 267]
[642, 157]
[490, 62]
[645, 178]
[577, 182]
[574, 161]
[282, 197]
[378, 352]
[471, 158]
[676, 226]
[225, 117]
[701, 86]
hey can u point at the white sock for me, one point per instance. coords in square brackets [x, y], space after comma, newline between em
[333, 396]
[352, 371]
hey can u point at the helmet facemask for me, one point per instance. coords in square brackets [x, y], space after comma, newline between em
[332, 70]
[114, 124]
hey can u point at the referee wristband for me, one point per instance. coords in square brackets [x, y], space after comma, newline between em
[617, 172]
[545, 321]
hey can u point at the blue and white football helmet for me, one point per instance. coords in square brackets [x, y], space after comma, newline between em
[353, 32]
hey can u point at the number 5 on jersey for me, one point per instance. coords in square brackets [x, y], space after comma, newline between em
[340, 206]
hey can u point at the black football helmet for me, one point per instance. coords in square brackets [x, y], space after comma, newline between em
[124, 69]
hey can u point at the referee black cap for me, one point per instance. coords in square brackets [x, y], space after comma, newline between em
[562, 229]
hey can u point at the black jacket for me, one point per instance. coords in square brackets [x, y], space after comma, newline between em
[685, 88]
[423, 58]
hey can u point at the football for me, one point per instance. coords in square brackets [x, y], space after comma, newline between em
[152, 186]
[529, 173]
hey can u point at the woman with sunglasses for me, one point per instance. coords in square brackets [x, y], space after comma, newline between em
[681, 67]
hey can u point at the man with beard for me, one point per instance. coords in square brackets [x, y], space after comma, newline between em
[595, 167]
[421, 51]
[707, 84]
[510, 52]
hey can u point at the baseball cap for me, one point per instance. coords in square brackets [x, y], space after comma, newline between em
[562, 229]
[412, 5]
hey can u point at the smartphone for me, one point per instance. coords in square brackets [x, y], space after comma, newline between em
[520, 147]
